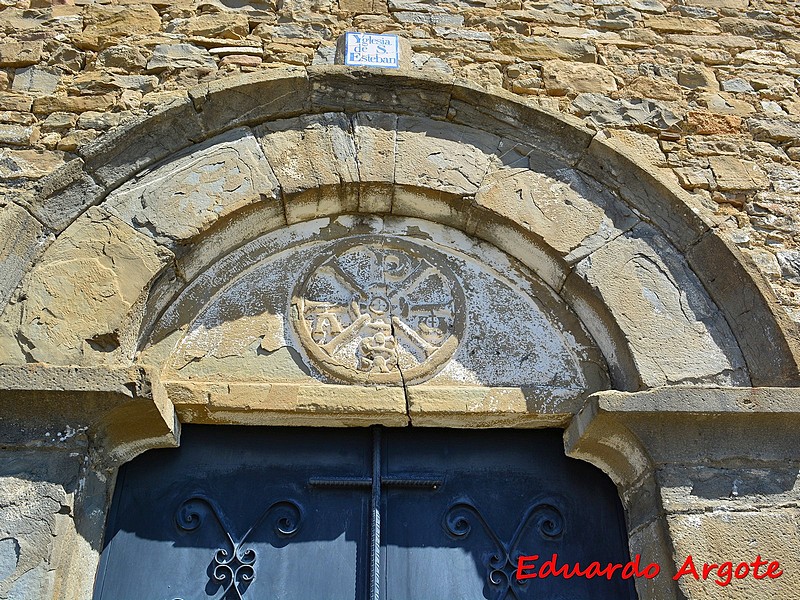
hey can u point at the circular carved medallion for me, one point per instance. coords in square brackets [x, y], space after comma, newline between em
[379, 310]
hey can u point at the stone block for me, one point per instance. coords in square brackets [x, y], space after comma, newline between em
[310, 151]
[18, 135]
[64, 194]
[36, 81]
[375, 137]
[141, 142]
[561, 136]
[225, 25]
[738, 537]
[73, 104]
[35, 487]
[340, 88]
[760, 326]
[563, 77]
[706, 123]
[435, 155]
[103, 25]
[370, 7]
[648, 190]
[647, 114]
[80, 293]
[732, 174]
[229, 102]
[179, 56]
[545, 48]
[536, 196]
[122, 56]
[437, 406]
[675, 331]
[176, 200]
[22, 239]
[276, 404]
[775, 130]
[20, 54]
[671, 24]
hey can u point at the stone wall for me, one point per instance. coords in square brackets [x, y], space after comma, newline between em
[705, 89]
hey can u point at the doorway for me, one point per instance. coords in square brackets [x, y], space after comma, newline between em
[359, 514]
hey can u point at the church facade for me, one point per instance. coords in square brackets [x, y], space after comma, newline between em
[271, 253]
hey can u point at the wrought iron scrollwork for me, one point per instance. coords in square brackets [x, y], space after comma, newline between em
[233, 567]
[501, 565]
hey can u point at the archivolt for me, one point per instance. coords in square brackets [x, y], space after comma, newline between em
[149, 207]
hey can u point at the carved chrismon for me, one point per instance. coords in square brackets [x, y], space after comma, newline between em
[379, 309]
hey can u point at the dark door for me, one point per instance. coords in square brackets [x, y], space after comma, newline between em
[358, 514]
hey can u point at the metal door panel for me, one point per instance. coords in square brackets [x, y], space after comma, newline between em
[504, 493]
[287, 514]
[174, 510]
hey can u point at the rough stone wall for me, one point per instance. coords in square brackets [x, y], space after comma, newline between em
[706, 89]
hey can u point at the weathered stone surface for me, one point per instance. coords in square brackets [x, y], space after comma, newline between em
[713, 124]
[63, 195]
[738, 537]
[452, 159]
[143, 141]
[36, 81]
[375, 137]
[104, 25]
[322, 154]
[764, 57]
[22, 239]
[562, 77]
[438, 406]
[226, 103]
[73, 104]
[642, 112]
[364, 6]
[670, 24]
[775, 130]
[176, 200]
[17, 135]
[698, 77]
[80, 293]
[124, 57]
[659, 88]
[227, 25]
[543, 48]
[179, 56]
[536, 195]
[733, 174]
[20, 54]
[340, 88]
[275, 404]
[640, 274]
[36, 489]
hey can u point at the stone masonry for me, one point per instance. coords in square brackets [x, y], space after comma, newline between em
[608, 191]
[704, 89]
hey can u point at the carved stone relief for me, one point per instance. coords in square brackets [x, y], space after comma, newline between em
[382, 310]
[381, 301]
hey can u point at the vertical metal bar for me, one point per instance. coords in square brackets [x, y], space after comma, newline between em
[375, 521]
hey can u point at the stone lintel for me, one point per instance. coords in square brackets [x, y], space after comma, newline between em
[442, 406]
[287, 404]
[122, 411]
[687, 424]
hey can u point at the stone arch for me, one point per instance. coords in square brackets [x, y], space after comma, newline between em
[374, 160]
[451, 154]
